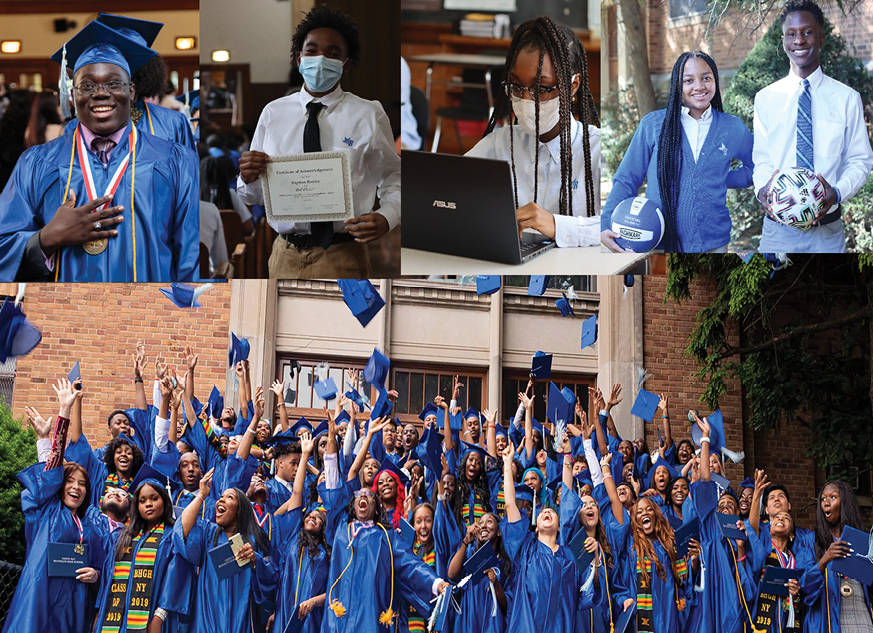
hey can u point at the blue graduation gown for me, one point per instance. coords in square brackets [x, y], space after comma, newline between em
[822, 596]
[666, 615]
[142, 436]
[545, 585]
[302, 577]
[447, 537]
[166, 205]
[477, 604]
[367, 559]
[224, 605]
[720, 606]
[42, 604]
[162, 122]
[172, 585]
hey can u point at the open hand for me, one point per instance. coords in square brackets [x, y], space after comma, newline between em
[73, 225]
[533, 216]
[42, 428]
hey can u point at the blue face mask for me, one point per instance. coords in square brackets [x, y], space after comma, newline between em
[320, 73]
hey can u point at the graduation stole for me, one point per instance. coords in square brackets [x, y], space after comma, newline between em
[769, 604]
[212, 438]
[143, 568]
[114, 480]
[501, 503]
[476, 513]
[644, 598]
[417, 624]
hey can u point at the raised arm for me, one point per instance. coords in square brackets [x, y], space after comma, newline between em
[665, 418]
[244, 449]
[166, 386]
[614, 399]
[191, 362]
[447, 428]
[278, 388]
[761, 483]
[704, 447]
[611, 490]
[528, 424]
[192, 511]
[512, 513]
[490, 431]
[175, 407]
[139, 365]
[376, 426]
[66, 397]
[596, 405]
[75, 429]
[296, 499]
[245, 387]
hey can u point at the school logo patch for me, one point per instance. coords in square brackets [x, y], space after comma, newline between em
[575, 184]
[348, 141]
[723, 149]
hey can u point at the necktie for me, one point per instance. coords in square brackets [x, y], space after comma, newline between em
[102, 146]
[322, 232]
[804, 128]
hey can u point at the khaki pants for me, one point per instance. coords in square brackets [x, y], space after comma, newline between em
[341, 261]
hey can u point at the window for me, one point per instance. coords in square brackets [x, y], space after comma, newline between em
[7, 380]
[580, 283]
[417, 387]
[515, 382]
[304, 393]
[685, 8]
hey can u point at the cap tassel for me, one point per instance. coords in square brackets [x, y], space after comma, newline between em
[64, 87]
[387, 617]
[338, 608]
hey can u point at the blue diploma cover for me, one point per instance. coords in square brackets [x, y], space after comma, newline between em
[65, 558]
[224, 561]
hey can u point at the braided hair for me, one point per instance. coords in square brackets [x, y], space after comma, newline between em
[479, 485]
[670, 147]
[568, 58]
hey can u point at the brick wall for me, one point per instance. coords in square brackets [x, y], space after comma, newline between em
[733, 39]
[98, 325]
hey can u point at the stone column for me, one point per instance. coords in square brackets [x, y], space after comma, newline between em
[253, 316]
[495, 351]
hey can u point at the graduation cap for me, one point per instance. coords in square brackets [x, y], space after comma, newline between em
[183, 295]
[143, 32]
[472, 413]
[343, 417]
[584, 479]
[487, 284]
[97, 43]
[376, 371]
[684, 534]
[723, 484]
[456, 420]
[321, 429]
[563, 304]
[728, 525]
[193, 98]
[523, 492]
[775, 579]
[555, 483]
[389, 466]
[430, 449]
[589, 331]
[325, 389]
[577, 546]
[146, 472]
[536, 425]
[561, 403]
[483, 559]
[748, 482]
[362, 298]
[660, 463]
[239, 350]
[716, 432]
[300, 425]
[541, 365]
[382, 406]
[283, 437]
[18, 336]
[538, 285]
[75, 373]
[499, 429]
[645, 405]
[429, 409]
[477, 449]
[215, 405]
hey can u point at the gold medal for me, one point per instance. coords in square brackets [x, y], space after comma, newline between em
[846, 589]
[79, 549]
[95, 247]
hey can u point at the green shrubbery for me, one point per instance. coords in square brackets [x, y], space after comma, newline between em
[17, 451]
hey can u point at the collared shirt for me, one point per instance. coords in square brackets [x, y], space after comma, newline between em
[347, 122]
[88, 136]
[570, 230]
[287, 484]
[841, 149]
[696, 129]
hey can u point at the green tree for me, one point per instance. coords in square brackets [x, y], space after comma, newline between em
[805, 344]
[17, 451]
[765, 64]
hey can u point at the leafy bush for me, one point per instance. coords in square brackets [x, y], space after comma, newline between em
[765, 64]
[621, 116]
[17, 452]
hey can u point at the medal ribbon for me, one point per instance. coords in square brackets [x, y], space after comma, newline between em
[79, 526]
[116, 178]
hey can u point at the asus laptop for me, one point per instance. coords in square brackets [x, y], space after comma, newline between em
[464, 206]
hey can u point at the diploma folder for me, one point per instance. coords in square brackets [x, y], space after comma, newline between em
[65, 558]
[577, 546]
[728, 524]
[684, 534]
[856, 566]
[774, 579]
[224, 561]
[484, 558]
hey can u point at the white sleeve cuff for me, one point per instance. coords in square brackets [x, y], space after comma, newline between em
[577, 231]
[162, 433]
[43, 449]
[250, 193]
[331, 471]
[156, 393]
[436, 586]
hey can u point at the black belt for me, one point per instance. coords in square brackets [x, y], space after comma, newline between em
[302, 242]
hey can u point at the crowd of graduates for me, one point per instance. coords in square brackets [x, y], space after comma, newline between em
[204, 518]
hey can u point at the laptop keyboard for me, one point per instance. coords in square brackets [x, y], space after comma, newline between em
[527, 247]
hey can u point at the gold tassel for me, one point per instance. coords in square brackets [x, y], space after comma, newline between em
[338, 608]
[681, 604]
[387, 617]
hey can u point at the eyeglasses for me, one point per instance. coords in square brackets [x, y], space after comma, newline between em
[366, 492]
[121, 492]
[112, 87]
[514, 90]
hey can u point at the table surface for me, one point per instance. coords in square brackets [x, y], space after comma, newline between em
[461, 59]
[565, 261]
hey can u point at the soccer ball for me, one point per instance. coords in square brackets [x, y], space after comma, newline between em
[639, 224]
[795, 196]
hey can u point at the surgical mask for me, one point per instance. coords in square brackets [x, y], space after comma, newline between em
[320, 73]
[525, 110]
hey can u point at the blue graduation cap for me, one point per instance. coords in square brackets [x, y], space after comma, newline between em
[722, 484]
[429, 450]
[354, 396]
[362, 298]
[523, 492]
[75, 373]
[382, 406]
[584, 479]
[487, 284]
[183, 295]
[561, 403]
[325, 389]
[775, 579]
[215, 405]
[499, 429]
[97, 43]
[541, 365]
[728, 525]
[456, 420]
[577, 546]
[538, 285]
[300, 425]
[343, 417]
[376, 371]
[483, 559]
[748, 482]
[429, 409]
[321, 429]
[536, 425]
[146, 472]
[193, 97]
[389, 466]
[475, 448]
[645, 405]
[18, 336]
[284, 437]
[143, 32]
[684, 534]
[661, 463]
[716, 432]
[554, 483]
[589, 331]
[239, 350]
[563, 304]
[472, 413]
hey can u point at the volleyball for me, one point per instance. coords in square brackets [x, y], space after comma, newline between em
[639, 224]
[795, 196]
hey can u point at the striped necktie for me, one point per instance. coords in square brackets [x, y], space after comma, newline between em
[804, 128]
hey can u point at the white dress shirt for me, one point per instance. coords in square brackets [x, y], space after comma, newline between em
[696, 129]
[346, 122]
[841, 149]
[570, 230]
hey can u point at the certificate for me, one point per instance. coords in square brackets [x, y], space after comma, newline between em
[65, 558]
[311, 187]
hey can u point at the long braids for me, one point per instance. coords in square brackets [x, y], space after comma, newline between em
[481, 490]
[568, 59]
[670, 147]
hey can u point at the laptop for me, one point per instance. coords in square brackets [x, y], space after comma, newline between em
[464, 206]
